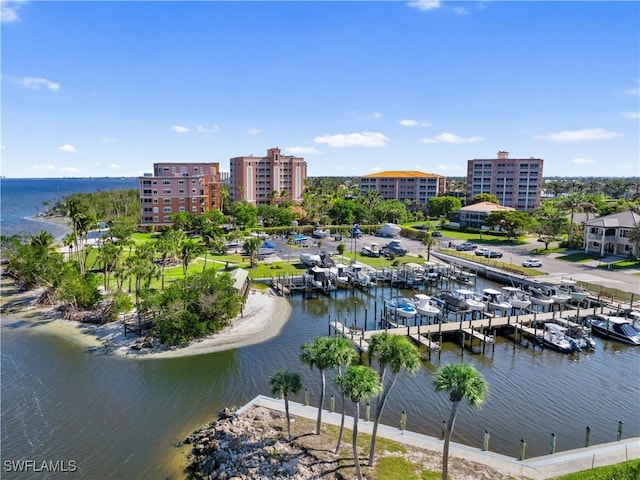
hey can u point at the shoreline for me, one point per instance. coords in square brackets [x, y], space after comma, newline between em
[264, 316]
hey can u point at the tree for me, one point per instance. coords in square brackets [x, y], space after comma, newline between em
[395, 353]
[285, 383]
[245, 214]
[317, 354]
[341, 353]
[484, 197]
[189, 250]
[574, 202]
[443, 206]
[428, 241]
[252, 246]
[462, 382]
[359, 383]
[511, 221]
[551, 222]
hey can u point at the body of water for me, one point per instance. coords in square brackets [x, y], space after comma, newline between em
[121, 418]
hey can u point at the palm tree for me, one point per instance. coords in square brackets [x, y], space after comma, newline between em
[395, 353]
[252, 245]
[189, 250]
[341, 353]
[462, 382]
[317, 354]
[428, 241]
[574, 202]
[284, 383]
[359, 383]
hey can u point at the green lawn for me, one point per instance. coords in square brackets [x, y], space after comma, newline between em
[579, 257]
[622, 471]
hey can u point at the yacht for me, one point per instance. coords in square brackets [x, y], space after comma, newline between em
[615, 328]
[516, 297]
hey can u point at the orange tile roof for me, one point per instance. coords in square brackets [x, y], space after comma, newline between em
[402, 174]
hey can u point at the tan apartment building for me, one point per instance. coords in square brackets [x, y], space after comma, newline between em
[403, 185]
[516, 182]
[178, 187]
[269, 179]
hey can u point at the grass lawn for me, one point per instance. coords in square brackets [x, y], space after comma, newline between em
[621, 265]
[484, 238]
[542, 251]
[622, 471]
[579, 257]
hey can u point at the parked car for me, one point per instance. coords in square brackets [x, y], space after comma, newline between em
[481, 252]
[493, 254]
[466, 246]
[532, 262]
[436, 233]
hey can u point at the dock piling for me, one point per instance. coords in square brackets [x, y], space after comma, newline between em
[485, 443]
[620, 423]
[553, 444]
[587, 440]
[523, 447]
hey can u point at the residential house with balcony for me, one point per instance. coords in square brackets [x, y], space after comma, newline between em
[609, 235]
[178, 187]
[475, 215]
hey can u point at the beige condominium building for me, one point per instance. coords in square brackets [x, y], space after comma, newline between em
[402, 185]
[178, 187]
[269, 179]
[516, 182]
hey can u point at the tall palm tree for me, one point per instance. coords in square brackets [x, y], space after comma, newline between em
[189, 250]
[341, 353]
[462, 382]
[428, 241]
[574, 202]
[285, 383]
[359, 383]
[395, 353]
[316, 354]
[252, 246]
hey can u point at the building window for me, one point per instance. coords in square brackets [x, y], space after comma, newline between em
[166, 191]
[166, 182]
[181, 200]
[167, 210]
[166, 200]
[194, 209]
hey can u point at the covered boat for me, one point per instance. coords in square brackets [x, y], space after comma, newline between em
[390, 230]
[615, 328]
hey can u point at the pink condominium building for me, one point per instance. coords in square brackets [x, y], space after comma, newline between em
[516, 182]
[178, 187]
[269, 179]
[403, 185]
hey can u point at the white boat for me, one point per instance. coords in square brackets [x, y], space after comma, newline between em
[577, 293]
[559, 295]
[424, 306]
[580, 335]
[390, 230]
[310, 259]
[554, 338]
[319, 278]
[516, 297]
[358, 275]
[539, 296]
[495, 300]
[401, 307]
[372, 250]
[472, 300]
[339, 274]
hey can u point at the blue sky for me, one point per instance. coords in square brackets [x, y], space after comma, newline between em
[109, 88]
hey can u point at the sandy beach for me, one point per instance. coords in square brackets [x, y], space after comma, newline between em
[264, 315]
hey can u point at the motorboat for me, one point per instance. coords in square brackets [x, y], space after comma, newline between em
[339, 274]
[578, 294]
[516, 297]
[319, 278]
[632, 315]
[358, 275]
[432, 271]
[372, 250]
[495, 300]
[559, 295]
[539, 296]
[424, 306]
[554, 338]
[310, 259]
[580, 335]
[615, 328]
[463, 277]
[471, 298]
[449, 301]
[402, 307]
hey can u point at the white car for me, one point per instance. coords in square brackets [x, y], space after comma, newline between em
[532, 262]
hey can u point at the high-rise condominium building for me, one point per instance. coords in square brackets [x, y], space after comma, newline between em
[516, 182]
[404, 185]
[178, 187]
[269, 179]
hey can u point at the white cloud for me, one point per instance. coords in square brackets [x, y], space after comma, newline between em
[448, 167]
[47, 166]
[108, 140]
[70, 169]
[446, 137]
[201, 129]
[377, 115]
[413, 123]
[633, 115]
[115, 166]
[425, 5]
[633, 91]
[179, 129]
[1, 147]
[38, 83]
[253, 131]
[301, 150]
[578, 135]
[580, 161]
[68, 148]
[624, 166]
[364, 139]
[9, 10]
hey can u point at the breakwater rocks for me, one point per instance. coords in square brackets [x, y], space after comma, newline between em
[252, 446]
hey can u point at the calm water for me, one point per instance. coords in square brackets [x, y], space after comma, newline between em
[120, 418]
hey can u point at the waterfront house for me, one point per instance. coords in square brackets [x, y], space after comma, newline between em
[475, 215]
[609, 235]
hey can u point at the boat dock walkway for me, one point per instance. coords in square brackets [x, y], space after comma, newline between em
[537, 468]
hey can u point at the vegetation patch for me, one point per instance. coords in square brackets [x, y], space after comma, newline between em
[623, 471]
[621, 265]
[579, 257]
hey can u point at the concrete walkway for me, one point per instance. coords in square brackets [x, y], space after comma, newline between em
[538, 468]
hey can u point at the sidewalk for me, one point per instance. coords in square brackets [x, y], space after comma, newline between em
[538, 468]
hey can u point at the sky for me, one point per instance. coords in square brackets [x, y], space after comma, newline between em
[109, 88]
